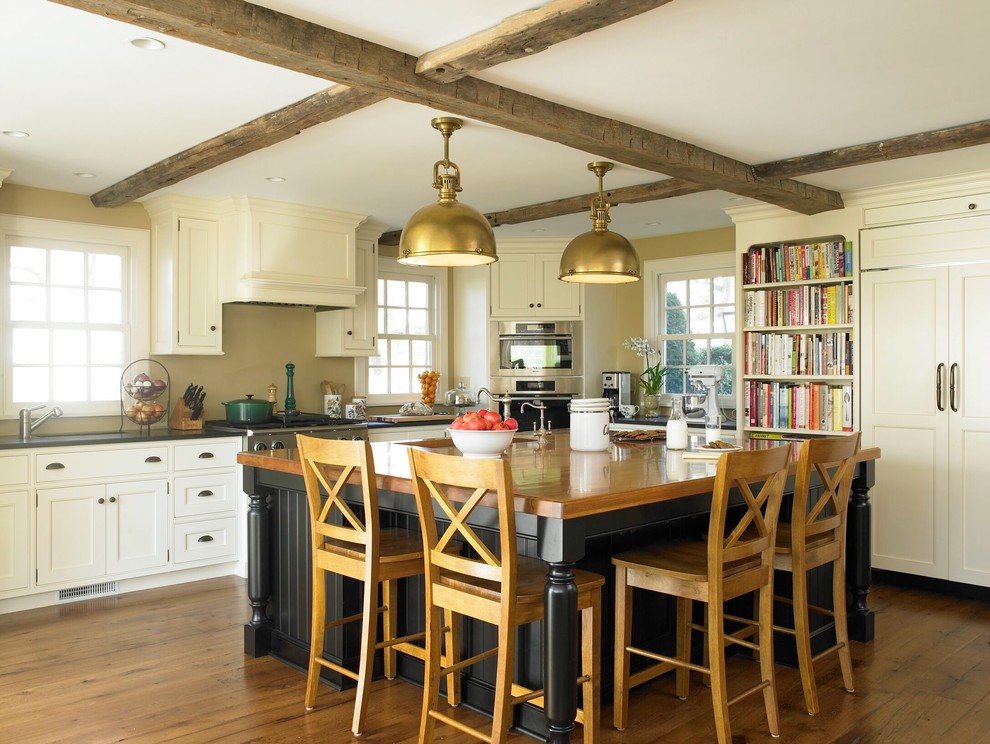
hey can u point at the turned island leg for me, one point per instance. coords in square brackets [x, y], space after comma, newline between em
[859, 557]
[257, 632]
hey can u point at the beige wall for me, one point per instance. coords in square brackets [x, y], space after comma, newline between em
[258, 341]
[630, 296]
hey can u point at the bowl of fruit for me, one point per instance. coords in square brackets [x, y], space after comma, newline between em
[142, 387]
[482, 433]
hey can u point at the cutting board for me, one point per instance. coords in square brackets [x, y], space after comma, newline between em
[409, 419]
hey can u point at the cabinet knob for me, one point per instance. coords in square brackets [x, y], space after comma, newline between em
[213, 328]
[350, 333]
[100, 501]
[204, 494]
[205, 538]
[539, 304]
[54, 466]
[153, 458]
[972, 206]
[113, 499]
[205, 455]
[531, 304]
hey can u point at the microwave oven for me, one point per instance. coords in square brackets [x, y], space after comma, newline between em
[536, 349]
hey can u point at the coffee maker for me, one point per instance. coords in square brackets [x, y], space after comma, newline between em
[617, 387]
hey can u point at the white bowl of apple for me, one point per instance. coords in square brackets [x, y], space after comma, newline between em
[482, 433]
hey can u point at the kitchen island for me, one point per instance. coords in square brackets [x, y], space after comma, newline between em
[572, 507]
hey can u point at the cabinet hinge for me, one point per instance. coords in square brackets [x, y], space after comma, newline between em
[178, 337]
[168, 555]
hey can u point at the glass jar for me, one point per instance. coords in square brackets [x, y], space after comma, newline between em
[651, 405]
[677, 436]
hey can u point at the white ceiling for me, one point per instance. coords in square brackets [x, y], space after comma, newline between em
[758, 81]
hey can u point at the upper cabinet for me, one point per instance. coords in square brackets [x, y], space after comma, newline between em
[352, 332]
[524, 284]
[186, 316]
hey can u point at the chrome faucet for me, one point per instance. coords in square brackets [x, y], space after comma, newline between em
[28, 426]
[505, 400]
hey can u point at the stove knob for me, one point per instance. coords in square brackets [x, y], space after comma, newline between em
[260, 446]
[277, 446]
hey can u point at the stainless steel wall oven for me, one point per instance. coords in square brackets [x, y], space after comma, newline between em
[553, 392]
[536, 349]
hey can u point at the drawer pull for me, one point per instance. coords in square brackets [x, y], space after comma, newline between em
[204, 494]
[153, 458]
[205, 538]
[205, 455]
[54, 466]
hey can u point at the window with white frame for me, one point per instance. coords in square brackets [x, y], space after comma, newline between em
[75, 313]
[410, 331]
[691, 313]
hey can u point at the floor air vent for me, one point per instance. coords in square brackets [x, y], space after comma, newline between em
[76, 593]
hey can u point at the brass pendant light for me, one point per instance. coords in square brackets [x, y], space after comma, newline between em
[447, 233]
[599, 256]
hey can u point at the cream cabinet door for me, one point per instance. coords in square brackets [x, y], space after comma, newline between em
[13, 540]
[969, 430]
[197, 300]
[71, 533]
[904, 340]
[137, 526]
[559, 299]
[514, 286]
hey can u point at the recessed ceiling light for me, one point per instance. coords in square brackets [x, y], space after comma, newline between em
[735, 198]
[83, 174]
[275, 179]
[538, 230]
[147, 43]
[16, 133]
[653, 224]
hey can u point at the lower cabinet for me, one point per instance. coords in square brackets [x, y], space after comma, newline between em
[408, 433]
[87, 532]
[14, 540]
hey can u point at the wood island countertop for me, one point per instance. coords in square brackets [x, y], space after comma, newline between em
[558, 482]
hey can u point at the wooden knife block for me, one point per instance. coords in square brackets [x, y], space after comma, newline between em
[181, 418]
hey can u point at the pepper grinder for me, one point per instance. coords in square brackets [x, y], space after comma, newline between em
[290, 401]
[273, 398]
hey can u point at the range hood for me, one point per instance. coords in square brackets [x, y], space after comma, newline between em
[279, 254]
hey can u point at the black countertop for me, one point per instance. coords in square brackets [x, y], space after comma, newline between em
[13, 442]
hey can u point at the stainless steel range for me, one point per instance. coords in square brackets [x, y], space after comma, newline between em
[280, 431]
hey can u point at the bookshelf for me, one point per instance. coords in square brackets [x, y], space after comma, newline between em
[798, 337]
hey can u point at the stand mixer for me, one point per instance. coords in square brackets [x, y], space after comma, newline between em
[707, 375]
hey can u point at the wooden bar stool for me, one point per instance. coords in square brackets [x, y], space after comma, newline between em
[816, 536]
[505, 590]
[359, 549]
[736, 559]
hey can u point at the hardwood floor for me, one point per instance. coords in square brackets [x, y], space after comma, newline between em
[167, 665]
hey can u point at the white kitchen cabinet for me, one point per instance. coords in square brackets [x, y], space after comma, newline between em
[925, 401]
[14, 531]
[205, 496]
[14, 522]
[186, 312]
[352, 332]
[87, 532]
[408, 433]
[525, 285]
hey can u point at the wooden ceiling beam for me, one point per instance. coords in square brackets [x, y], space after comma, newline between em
[266, 130]
[526, 33]
[574, 204]
[265, 35]
[923, 143]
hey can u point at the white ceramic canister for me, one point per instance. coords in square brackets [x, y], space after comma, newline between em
[589, 424]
